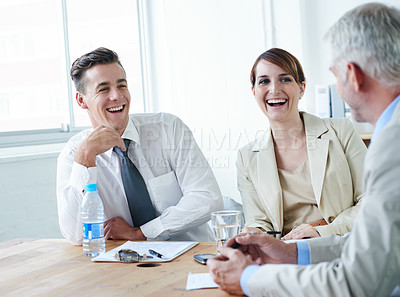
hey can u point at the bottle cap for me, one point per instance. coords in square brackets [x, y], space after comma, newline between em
[91, 187]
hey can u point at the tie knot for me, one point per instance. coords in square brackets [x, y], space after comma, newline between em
[127, 142]
[118, 150]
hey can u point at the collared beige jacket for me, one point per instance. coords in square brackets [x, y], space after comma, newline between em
[336, 156]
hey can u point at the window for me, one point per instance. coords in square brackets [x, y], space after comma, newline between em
[114, 25]
[39, 39]
[32, 83]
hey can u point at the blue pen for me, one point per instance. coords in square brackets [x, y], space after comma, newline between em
[154, 253]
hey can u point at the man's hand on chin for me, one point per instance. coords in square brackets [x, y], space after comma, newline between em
[99, 141]
[118, 228]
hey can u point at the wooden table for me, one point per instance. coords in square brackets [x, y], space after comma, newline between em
[53, 267]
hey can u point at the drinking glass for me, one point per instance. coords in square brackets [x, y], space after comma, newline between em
[226, 224]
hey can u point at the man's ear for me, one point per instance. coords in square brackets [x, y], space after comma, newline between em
[81, 101]
[356, 76]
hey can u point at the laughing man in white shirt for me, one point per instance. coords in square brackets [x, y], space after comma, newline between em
[181, 185]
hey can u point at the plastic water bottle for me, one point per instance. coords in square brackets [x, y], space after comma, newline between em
[92, 215]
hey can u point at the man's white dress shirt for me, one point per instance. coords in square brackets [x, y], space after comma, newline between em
[181, 184]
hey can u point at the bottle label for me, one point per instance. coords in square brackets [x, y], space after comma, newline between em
[93, 230]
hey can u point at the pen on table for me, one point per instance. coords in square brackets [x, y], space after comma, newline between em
[273, 232]
[269, 232]
[154, 253]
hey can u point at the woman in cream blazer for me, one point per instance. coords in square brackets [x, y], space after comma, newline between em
[331, 149]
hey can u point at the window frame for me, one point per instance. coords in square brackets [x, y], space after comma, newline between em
[68, 129]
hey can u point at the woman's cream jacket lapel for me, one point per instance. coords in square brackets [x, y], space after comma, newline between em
[317, 149]
[267, 169]
[336, 156]
[266, 160]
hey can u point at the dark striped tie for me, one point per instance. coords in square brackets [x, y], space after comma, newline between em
[136, 192]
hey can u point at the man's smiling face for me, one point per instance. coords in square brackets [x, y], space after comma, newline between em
[106, 97]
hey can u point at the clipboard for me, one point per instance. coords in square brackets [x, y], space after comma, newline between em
[169, 249]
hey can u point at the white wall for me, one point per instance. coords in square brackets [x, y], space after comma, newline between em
[28, 206]
[201, 54]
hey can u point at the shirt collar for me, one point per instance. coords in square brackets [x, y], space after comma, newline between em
[130, 133]
[385, 117]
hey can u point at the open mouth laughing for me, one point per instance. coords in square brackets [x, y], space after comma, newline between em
[116, 109]
[276, 102]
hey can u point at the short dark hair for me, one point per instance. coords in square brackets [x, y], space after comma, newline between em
[283, 59]
[100, 55]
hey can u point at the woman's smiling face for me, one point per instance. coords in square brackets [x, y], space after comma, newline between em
[276, 91]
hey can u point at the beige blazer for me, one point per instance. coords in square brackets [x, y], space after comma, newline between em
[336, 155]
[365, 262]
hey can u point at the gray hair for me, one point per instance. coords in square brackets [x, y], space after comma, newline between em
[369, 36]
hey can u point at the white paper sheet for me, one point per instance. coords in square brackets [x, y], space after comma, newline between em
[169, 249]
[200, 281]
